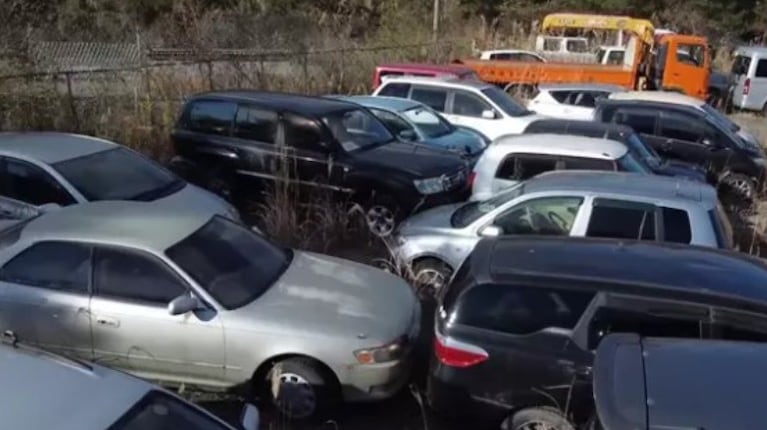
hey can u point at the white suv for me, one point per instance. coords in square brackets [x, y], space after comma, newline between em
[477, 105]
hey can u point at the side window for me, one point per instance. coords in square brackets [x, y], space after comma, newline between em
[680, 128]
[740, 65]
[761, 69]
[433, 97]
[561, 96]
[256, 124]
[585, 99]
[609, 320]
[691, 54]
[551, 216]
[28, 183]
[59, 266]
[134, 276]
[641, 122]
[395, 90]
[619, 219]
[676, 225]
[521, 167]
[577, 46]
[392, 121]
[214, 117]
[504, 56]
[303, 133]
[530, 58]
[738, 326]
[551, 44]
[520, 310]
[582, 163]
[615, 57]
[468, 105]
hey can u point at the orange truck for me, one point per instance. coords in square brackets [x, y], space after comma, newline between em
[673, 62]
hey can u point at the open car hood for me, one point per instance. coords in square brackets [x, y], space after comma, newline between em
[680, 384]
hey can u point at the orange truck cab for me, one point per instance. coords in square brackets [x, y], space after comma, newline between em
[648, 63]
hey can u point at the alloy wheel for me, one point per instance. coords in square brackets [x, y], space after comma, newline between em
[380, 220]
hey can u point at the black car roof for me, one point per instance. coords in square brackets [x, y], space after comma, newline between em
[637, 265]
[290, 102]
[651, 104]
[630, 372]
[580, 128]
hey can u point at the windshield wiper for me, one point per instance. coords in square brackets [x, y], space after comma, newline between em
[154, 193]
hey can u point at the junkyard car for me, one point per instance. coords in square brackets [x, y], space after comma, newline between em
[190, 297]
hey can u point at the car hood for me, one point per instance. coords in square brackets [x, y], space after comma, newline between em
[194, 198]
[461, 141]
[327, 295]
[680, 169]
[431, 221]
[421, 161]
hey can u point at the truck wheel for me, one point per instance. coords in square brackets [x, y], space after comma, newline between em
[537, 419]
[301, 390]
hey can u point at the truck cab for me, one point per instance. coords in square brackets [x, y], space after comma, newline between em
[681, 63]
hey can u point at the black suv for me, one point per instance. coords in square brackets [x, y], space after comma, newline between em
[690, 134]
[233, 141]
[620, 133]
[516, 329]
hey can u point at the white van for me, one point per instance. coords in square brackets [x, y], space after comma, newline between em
[568, 49]
[750, 70]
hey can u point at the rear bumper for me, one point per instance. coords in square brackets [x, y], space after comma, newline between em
[457, 403]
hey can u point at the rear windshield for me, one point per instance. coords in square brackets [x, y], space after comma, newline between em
[740, 65]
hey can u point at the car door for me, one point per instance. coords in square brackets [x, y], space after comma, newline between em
[132, 329]
[519, 167]
[310, 153]
[547, 216]
[643, 120]
[757, 93]
[684, 136]
[686, 67]
[45, 296]
[255, 135]
[470, 110]
[614, 218]
[23, 181]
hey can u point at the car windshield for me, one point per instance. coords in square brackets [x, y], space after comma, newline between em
[643, 150]
[118, 174]
[629, 163]
[719, 117]
[505, 102]
[232, 263]
[158, 410]
[428, 122]
[357, 129]
[472, 211]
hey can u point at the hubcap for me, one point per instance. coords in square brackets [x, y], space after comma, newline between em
[540, 425]
[430, 279]
[741, 186]
[296, 397]
[380, 220]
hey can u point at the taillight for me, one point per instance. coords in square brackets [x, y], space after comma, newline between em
[470, 179]
[747, 86]
[453, 353]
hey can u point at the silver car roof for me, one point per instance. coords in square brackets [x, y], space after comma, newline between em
[581, 87]
[51, 147]
[140, 225]
[46, 391]
[624, 183]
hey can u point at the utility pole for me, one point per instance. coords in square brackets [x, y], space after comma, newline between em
[435, 21]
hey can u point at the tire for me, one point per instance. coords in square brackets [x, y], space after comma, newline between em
[739, 186]
[382, 214]
[431, 276]
[537, 419]
[302, 390]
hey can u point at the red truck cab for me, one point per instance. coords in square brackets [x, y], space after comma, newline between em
[428, 70]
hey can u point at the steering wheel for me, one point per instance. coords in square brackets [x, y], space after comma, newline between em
[556, 219]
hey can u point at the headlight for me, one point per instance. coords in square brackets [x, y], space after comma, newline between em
[429, 186]
[392, 351]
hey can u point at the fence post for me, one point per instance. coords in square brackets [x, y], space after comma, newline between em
[209, 63]
[72, 104]
[305, 66]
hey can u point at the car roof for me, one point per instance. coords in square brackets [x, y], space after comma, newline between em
[438, 81]
[750, 50]
[44, 390]
[579, 128]
[51, 147]
[558, 144]
[397, 104]
[652, 104]
[290, 102]
[670, 372]
[142, 225]
[426, 67]
[658, 96]
[675, 270]
[582, 87]
[623, 183]
[510, 51]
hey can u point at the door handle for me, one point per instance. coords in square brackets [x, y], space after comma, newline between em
[107, 321]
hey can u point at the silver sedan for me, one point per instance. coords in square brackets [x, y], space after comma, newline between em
[192, 298]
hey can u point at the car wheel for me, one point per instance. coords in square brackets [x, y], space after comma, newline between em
[300, 389]
[381, 215]
[740, 186]
[430, 276]
[537, 419]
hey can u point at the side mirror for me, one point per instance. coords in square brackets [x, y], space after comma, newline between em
[408, 135]
[49, 207]
[490, 231]
[183, 304]
[250, 418]
[488, 114]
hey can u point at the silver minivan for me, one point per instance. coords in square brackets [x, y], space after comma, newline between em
[750, 70]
